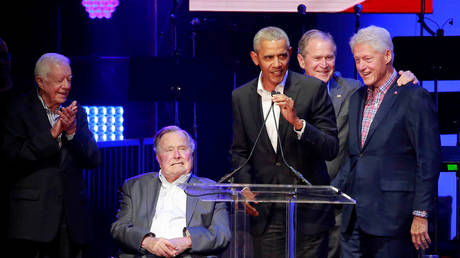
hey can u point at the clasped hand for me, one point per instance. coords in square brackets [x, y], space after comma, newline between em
[67, 121]
[166, 247]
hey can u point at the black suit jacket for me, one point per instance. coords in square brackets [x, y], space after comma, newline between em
[45, 181]
[396, 170]
[318, 143]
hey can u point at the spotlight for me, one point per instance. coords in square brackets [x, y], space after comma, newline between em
[105, 122]
[100, 8]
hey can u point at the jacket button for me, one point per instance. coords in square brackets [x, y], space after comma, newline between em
[361, 155]
[278, 164]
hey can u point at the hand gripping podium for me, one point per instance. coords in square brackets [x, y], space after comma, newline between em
[290, 195]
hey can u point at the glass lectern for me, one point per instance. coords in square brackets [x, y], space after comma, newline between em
[241, 245]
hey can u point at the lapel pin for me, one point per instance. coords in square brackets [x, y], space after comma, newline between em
[396, 92]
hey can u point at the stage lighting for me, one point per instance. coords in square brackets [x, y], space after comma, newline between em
[100, 8]
[105, 122]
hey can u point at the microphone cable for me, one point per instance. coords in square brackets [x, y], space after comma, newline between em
[229, 175]
[293, 170]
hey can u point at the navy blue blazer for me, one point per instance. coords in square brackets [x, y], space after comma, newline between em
[396, 170]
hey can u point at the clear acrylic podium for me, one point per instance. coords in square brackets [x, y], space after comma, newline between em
[241, 245]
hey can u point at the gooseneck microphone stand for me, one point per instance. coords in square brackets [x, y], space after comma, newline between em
[232, 173]
[358, 9]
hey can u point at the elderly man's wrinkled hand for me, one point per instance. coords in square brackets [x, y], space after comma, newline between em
[406, 77]
[181, 244]
[159, 246]
[67, 116]
[419, 233]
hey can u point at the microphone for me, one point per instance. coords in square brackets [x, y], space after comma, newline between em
[232, 173]
[293, 170]
[302, 9]
[358, 9]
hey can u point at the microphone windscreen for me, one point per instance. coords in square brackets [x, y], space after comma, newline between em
[358, 8]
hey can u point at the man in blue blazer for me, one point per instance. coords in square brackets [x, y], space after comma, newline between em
[316, 55]
[394, 157]
[157, 218]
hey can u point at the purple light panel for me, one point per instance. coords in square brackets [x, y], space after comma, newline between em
[100, 8]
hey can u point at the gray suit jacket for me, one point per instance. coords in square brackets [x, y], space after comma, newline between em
[340, 91]
[207, 222]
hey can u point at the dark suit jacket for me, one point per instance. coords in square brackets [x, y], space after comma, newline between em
[206, 221]
[396, 170]
[340, 91]
[45, 181]
[318, 143]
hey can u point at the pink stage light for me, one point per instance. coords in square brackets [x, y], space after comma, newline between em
[100, 8]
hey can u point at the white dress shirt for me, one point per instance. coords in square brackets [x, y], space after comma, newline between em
[266, 97]
[270, 125]
[169, 220]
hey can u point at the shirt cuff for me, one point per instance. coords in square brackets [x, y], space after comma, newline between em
[69, 136]
[300, 132]
[141, 249]
[418, 213]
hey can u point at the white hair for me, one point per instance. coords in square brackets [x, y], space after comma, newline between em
[269, 33]
[170, 129]
[376, 37]
[42, 67]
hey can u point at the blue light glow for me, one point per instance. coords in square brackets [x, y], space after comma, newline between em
[105, 122]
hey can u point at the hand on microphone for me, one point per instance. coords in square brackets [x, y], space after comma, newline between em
[287, 109]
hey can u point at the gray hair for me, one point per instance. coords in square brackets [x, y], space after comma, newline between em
[170, 129]
[376, 37]
[314, 34]
[269, 33]
[42, 67]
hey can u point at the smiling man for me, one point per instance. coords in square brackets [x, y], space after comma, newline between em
[46, 146]
[304, 115]
[156, 217]
[394, 157]
[316, 55]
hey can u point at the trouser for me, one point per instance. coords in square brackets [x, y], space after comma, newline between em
[272, 243]
[355, 243]
[62, 246]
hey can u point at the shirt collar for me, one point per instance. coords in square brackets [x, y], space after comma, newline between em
[279, 88]
[182, 179]
[384, 87]
[44, 105]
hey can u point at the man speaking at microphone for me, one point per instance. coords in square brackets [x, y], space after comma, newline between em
[304, 117]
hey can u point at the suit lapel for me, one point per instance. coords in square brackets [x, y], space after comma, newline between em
[151, 196]
[291, 89]
[191, 202]
[362, 101]
[255, 104]
[382, 112]
[38, 112]
[337, 95]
